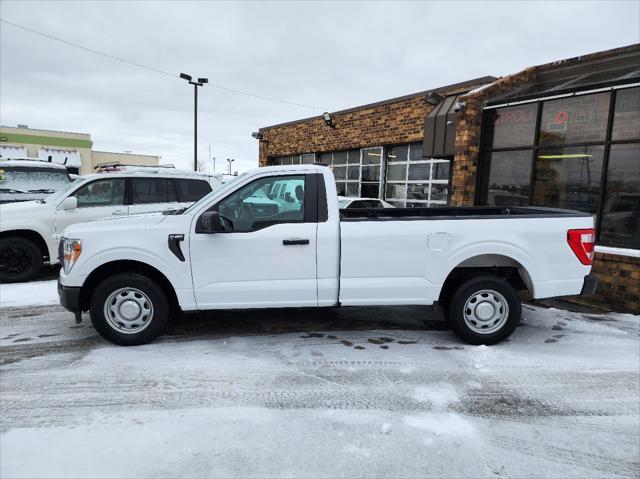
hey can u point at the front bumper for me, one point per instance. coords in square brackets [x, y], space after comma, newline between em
[589, 285]
[69, 297]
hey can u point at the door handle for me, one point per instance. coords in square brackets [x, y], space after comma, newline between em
[119, 213]
[294, 241]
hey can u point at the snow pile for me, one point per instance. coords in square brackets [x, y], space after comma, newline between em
[13, 295]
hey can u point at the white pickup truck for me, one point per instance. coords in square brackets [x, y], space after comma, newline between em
[228, 251]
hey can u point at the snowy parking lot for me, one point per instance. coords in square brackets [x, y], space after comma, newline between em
[339, 393]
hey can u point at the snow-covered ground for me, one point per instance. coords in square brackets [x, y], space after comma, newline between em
[28, 294]
[348, 393]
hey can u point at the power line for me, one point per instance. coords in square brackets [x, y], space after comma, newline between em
[157, 70]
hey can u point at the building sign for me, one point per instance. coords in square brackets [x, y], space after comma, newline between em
[577, 119]
[512, 126]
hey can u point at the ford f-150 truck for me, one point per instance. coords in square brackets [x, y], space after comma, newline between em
[228, 251]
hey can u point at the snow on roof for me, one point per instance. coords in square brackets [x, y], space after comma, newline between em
[30, 163]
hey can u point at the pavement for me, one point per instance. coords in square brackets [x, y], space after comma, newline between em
[353, 392]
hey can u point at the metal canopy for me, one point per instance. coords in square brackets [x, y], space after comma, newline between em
[440, 129]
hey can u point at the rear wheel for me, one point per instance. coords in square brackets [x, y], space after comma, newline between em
[20, 259]
[484, 310]
[129, 309]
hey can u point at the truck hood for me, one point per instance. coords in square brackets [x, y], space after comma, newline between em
[21, 209]
[112, 225]
[19, 197]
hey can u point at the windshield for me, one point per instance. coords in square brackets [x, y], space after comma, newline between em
[62, 191]
[343, 203]
[227, 186]
[32, 180]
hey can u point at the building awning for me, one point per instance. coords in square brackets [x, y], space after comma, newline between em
[13, 151]
[69, 158]
[440, 129]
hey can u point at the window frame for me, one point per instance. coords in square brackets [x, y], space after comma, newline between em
[406, 182]
[315, 207]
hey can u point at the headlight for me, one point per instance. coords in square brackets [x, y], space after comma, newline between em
[71, 249]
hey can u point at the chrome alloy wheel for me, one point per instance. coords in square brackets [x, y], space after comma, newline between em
[128, 310]
[486, 311]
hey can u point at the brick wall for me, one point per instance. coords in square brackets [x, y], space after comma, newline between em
[386, 123]
[618, 283]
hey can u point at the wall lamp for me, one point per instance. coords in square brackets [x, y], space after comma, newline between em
[257, 135]
[328, 120]
[433, 98]
[459, 105]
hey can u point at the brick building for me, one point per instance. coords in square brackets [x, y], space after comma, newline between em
[564, 134]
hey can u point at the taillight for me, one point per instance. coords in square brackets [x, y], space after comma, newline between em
[582, 243]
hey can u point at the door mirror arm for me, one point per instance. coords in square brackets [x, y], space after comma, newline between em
[209, 223]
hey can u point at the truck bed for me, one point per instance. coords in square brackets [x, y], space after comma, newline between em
[455, 213]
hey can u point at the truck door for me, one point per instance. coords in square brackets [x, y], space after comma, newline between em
[266, 256]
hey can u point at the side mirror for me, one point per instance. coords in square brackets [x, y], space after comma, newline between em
[69, 203]
[209, 223]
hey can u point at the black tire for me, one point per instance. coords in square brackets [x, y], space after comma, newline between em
[459, 318]
[154, 326]
[20, 260]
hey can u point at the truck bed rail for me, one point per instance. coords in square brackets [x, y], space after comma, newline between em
[455, 213]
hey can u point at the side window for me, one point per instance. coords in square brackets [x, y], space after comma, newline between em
[252, 207]
[107, 192]
[153, 190]
[192, 190]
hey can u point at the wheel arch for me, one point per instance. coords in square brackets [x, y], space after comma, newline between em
[31, 235]
[125, 266]
[500, 265]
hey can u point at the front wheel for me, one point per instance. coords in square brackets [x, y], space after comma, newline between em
[129, 309]
[20, 260]
[484, 310]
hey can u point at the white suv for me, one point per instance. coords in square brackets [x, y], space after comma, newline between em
[30, 230]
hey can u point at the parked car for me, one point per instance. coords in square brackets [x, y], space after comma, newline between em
[29, 231]
[26, 179]
[344, 203]
[133, 273]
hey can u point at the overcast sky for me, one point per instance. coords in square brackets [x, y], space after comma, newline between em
[329, 55]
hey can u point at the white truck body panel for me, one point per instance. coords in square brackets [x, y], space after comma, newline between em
[349, 261]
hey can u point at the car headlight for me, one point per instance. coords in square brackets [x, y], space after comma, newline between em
[71, 250]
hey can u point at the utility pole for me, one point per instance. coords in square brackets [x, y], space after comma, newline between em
[196, 84]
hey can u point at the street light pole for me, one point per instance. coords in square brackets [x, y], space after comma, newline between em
[196, 84]
[230, 160]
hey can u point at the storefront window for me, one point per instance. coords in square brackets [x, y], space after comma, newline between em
[512, 127]
[508, 176]
[568, 178]
[620, 222]
[626, 115]
[577, 119]
[354, 157]
[340, 158]
[413, 180]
